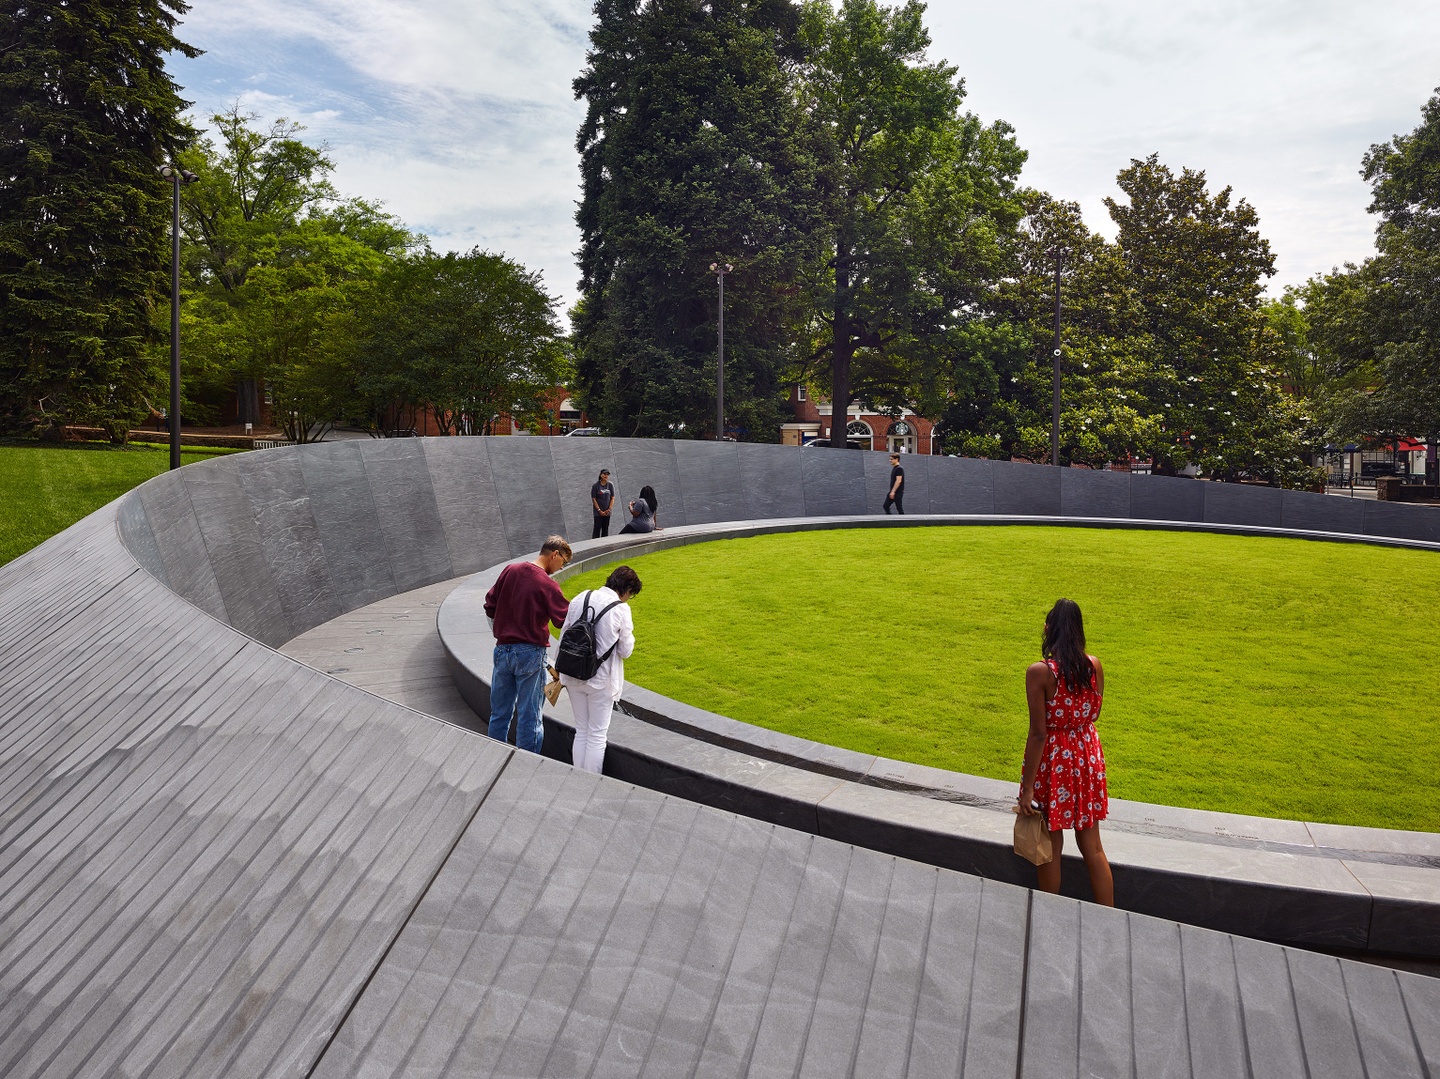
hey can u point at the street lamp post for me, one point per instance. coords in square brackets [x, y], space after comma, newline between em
[1058, 253]
[177, 177]
[720, 269]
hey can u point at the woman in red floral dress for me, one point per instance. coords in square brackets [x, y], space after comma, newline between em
[1064, 767]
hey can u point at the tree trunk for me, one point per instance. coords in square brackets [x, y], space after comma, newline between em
[841, 350]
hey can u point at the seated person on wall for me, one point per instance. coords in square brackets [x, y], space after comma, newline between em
[521, 605]
[644, 512]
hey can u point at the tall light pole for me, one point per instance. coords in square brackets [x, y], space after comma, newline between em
[1058, 253]
[178, 177]
[720, 269]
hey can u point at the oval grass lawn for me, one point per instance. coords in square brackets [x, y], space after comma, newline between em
[1277, 677]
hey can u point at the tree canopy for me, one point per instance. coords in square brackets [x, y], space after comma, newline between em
[281, 273]
[693, 150]
[87, 116]
[470, 337]
[919, 203]
[1371, 332]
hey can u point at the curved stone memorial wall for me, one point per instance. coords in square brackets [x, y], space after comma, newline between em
[215, 860]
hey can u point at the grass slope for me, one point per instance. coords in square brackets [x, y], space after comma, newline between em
[46, 489]
[1275, 677]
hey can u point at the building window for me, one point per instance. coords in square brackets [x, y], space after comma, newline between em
[858, 432]
[800, 394]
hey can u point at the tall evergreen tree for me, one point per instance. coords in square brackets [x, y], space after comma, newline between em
[87, 115]
[693, 150]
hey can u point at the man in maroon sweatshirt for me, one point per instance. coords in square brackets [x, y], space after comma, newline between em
[521, 605]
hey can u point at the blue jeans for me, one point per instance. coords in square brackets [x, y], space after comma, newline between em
[515, 690]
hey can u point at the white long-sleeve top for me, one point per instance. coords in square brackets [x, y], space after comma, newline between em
[617, 627]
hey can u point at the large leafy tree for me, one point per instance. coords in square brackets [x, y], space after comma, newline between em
[920, 206]
[469, 337]
[282, 273]
[1404, 278]
[1167, 348]
[87, 115]
[257, 184]
[1106, 413]
[1195, 265]
[694, 150]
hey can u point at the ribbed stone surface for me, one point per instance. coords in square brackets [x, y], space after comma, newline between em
[215, 860]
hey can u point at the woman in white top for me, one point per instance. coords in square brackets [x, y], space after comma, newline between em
[592, 701]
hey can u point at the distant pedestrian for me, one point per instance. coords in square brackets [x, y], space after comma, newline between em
[602, 500]
[1064, 769]
[644, 512]
[522, 604]
[592, 701]
[896, 495]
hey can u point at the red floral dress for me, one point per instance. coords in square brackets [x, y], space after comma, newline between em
[1070, 782]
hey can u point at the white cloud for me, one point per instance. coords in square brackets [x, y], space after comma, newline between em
[1278, 100]
[459, 114]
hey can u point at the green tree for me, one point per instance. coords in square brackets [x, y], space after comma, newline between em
[1168, 350]
[1106, 414]
[1195, 264]
[255, 187]
[87, 115]
[1335, 313]
[920, 206]
[470, 337]
[1404, 278]
[281, 273]
[693, 150]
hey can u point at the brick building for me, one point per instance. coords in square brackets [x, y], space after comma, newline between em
[870, 430]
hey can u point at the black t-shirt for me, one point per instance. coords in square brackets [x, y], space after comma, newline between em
[602, 494]
[897, 473]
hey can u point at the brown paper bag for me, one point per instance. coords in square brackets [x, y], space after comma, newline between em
[553, 687]
[1032, 838]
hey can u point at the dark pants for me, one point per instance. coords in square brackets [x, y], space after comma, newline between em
[602, 527]
[898, 502]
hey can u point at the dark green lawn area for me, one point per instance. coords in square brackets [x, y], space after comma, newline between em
[1276, 677]
[46, 489]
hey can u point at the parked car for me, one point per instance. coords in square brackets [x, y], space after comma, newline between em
[850, 443]
[583, 432]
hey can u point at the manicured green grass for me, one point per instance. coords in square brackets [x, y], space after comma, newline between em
[46, 489]
[1275, 677]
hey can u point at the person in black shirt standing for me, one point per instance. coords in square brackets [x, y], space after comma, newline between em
[602, 497]
[896, 497]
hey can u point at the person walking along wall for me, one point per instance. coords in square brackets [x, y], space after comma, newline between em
[1064, 769]
[592, 701]
[896, 495]
[522, 604]
[602, 500]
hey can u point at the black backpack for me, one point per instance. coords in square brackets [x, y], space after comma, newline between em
[576, 656]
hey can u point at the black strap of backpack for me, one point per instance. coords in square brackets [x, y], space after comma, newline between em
[599, 616]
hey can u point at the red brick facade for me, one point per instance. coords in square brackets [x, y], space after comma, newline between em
[909, 433]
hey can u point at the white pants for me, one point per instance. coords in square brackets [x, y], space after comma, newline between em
[591, 709]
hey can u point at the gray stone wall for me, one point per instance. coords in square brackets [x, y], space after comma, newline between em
[278, 541]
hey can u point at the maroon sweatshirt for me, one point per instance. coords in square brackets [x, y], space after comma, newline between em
[522, 600]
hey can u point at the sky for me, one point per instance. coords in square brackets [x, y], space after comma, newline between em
[458, 115]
